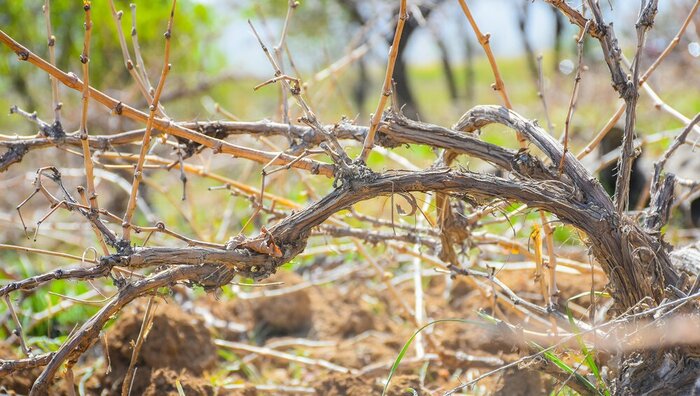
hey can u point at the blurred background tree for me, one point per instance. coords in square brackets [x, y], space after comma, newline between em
[24, 20]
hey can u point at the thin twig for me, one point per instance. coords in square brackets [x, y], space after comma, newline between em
[677, 142]
[265, 351]
[575, 17]
[539, 263]
[226, 113]
[621, 109]
[130, 67]
[66, 303]
[83, 337]
[659, 104]
[335, 67]
[498, 86]
[386, 87]
[203, 172]
[274, 389]
[145, 144]
[574, 93]
[93, 224]
[70, 380]
[52, 58]
[336, 152]
[46, 252]
[68, 202]
[32, 117]
[291, 6]
[18, 330]
[87, 158]
[540, 93]
[140, 65]
[219, 146]
[146, 325]
[630, 93]
[551, 264]
[419, 304]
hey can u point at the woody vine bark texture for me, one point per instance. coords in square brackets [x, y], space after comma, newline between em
[635, 259]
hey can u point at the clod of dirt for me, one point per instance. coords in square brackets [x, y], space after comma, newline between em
[343, 314]
[344, 384]
[470, 339]
[460, 288]
[406, 385]
[286, 314]
[177, 341]
[163, 382]
[352, 385]
[517, 382]
[360, 354]
[247, 391]
[19, 382]
[357, 323]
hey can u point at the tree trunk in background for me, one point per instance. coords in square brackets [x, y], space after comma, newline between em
[529, 52]
[359, 90]
[469, 68]
[404, 95]
[558, 31]
[447, 68]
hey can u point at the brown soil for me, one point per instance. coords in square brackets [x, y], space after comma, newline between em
[516, 382]
[163, 381]
[343, 311]
[365, 327]
[350, 385]
[20, 382]
[177, 341]
[289, 314]
[344, 384]
[372, 349]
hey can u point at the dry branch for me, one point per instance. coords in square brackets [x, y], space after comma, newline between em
[642, 80]
[484, 39]
[46, 9]
[629, 90]
[386, 87]
[575, 17]
[635, 260]
[119, 108]
[145, 143]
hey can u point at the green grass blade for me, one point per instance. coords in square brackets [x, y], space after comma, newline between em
[588, 293]
[180, 391]
[403, 351]
[567, 369]
[488, 318]
[587, 354]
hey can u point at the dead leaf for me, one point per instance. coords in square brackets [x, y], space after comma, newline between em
[263, 243]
